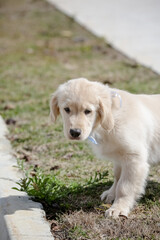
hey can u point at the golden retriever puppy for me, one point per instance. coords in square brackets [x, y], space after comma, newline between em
[123, 127]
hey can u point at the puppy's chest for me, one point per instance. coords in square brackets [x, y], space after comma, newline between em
[106, 148]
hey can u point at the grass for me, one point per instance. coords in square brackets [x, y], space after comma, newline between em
[41, 48]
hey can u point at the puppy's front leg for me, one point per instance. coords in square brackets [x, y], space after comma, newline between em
[109, 195]
[129, 187]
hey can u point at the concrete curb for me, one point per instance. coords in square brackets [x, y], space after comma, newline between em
[20, 217]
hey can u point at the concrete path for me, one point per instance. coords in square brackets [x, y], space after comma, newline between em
[131, 26]
[20, 218]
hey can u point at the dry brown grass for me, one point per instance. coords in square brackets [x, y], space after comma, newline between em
[92, 225]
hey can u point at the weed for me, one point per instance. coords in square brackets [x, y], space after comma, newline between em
[48, 188]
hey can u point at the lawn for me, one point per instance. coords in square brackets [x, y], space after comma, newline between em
[40, 48]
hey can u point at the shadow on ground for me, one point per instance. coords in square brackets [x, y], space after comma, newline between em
[152, 194]
[87, 199]
[81, 217]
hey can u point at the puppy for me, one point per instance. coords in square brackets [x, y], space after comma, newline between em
[125, 128]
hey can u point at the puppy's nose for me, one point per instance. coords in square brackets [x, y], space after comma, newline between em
[76, 132]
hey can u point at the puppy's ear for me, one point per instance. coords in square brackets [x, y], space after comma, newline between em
[54, 109]
[106, 117]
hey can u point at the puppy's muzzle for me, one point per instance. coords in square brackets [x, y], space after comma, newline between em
[75, 132]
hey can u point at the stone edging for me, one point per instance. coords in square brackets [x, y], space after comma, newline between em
[20, 217]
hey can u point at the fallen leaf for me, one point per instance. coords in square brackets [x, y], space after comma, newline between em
[106, 205]
[54, 168]
[10, 121]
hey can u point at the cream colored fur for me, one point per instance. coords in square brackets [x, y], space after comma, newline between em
[129, 135]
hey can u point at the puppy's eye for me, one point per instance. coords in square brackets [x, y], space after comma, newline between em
[87, 111]
[67, 110]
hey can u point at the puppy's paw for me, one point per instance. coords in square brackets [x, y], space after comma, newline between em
[116, 212]
[108, 196]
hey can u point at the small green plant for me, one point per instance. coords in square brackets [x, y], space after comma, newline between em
[49, 188]
[78, 232]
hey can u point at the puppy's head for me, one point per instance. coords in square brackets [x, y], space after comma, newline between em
[83, 105]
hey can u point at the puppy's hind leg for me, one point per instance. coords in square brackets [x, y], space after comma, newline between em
[109, 195]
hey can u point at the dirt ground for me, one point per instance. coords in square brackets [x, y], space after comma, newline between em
[39, 49]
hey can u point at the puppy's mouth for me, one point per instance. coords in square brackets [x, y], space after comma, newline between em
[74, 138]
